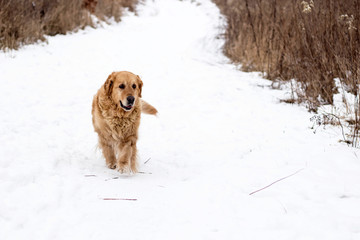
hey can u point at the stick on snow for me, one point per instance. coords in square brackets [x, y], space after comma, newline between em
[276, 181]
[147, 161]
[117, 199]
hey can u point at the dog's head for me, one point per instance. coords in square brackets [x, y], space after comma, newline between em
[124, 88]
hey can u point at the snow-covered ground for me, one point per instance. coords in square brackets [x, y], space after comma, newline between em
[221, 135]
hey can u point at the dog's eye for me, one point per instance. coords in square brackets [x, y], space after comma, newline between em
[133, 86]
[122, 86]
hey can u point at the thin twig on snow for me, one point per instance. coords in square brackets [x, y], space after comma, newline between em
[147, 161]
[276, 181]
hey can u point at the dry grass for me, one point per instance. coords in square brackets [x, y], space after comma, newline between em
[24, 22]
[312, 41]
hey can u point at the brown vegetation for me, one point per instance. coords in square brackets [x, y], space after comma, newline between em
[24, 22]
[312, 42]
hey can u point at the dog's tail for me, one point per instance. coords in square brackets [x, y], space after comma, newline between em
[147, 108]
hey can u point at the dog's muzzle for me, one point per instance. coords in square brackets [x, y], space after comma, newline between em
[130, 103]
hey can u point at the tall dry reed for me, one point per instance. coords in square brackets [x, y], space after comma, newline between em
[312, 42]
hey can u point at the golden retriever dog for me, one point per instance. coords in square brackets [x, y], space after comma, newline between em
[116, 111]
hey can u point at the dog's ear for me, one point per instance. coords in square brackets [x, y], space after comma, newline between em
[108, 85]
[140, 84]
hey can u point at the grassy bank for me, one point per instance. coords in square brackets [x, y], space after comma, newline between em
[25, 22]
[311, 42]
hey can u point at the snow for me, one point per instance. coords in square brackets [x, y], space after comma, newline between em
[220, 135]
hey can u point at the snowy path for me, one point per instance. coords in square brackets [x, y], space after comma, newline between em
[221, 135]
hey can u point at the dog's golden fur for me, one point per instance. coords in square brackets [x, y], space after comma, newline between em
[116, 111]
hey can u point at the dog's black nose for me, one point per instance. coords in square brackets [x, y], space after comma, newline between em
[130, 99]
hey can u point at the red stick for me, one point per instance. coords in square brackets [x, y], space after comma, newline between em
[276, 181]
[117, 199]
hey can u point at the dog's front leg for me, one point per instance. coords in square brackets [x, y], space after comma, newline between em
[124, 158]
[127, 156]
[108, 153]
[133, 159]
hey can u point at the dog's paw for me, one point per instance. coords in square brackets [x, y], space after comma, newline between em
[111, 166]
[122, 168]
[134, 168]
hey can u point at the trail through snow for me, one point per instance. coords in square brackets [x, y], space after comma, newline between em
[221, 134]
